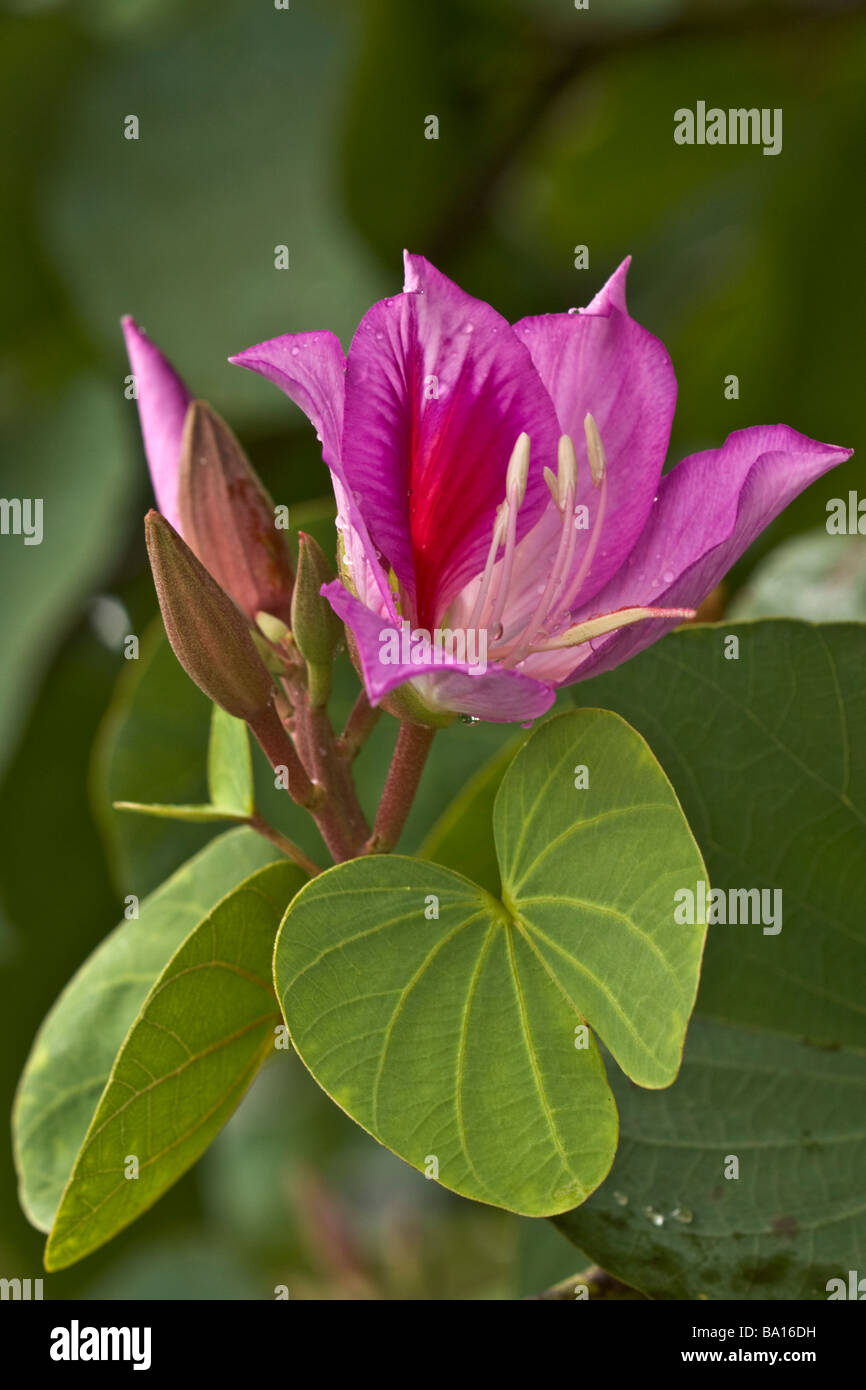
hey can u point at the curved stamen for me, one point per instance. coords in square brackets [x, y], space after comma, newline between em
[484, 586]
[608, 622]
[598, 468]
[515, 491]
[563, 489]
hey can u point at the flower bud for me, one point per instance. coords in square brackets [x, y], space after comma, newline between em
[316, 629]
[208, 634]
[227, 517]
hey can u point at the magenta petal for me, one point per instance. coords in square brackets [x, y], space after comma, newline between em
[311, 369]
[438, 388]
[162, 404]
[710, 508]
[603, 362]
[496, 695]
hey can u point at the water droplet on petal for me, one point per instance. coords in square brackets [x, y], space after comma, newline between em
[295, 351]
[468, 327]
[528, 725]
[497, 632]
[379, 335]
[668, 576]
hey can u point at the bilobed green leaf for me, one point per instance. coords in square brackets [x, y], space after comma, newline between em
[443, 1037]
[767, 754]
[76, 1045]
[451, 1023]
[229, 765]
[199, 1038]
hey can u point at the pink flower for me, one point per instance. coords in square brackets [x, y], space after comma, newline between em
[503, 484]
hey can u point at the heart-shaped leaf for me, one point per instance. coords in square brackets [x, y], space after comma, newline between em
[451, 1024]
[199, 1038]
[75, 1047]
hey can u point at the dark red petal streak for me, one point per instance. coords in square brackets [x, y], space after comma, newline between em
[438, 388]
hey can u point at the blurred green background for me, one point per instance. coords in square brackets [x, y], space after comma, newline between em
[305, 127]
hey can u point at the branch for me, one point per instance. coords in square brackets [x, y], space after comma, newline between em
[361, 722]
[289, 848]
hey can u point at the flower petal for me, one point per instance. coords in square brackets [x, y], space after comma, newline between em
[710, 508]
[162, 405]
[311, 369]
[438, 388]
[602, 362]
[496, 695]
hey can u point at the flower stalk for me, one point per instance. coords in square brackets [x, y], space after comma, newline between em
[410, 755]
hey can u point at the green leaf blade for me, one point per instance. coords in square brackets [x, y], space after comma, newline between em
[229, 764]
[416, 1027]
[591, 874]
[774, 783]
[200, 1036]
[672, 1223]
[74, 1050]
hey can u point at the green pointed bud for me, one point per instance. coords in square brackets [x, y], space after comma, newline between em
[209, 635]
[315, 626]
[228, 518]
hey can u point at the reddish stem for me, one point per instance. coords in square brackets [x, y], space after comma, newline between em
[401, 784]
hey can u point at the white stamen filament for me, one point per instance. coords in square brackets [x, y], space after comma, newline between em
[569, 597]
[499, 590]
[555, 601]
[563, 495]
[594, 449]
[608, 622]
[493, 593]
[484, 586]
